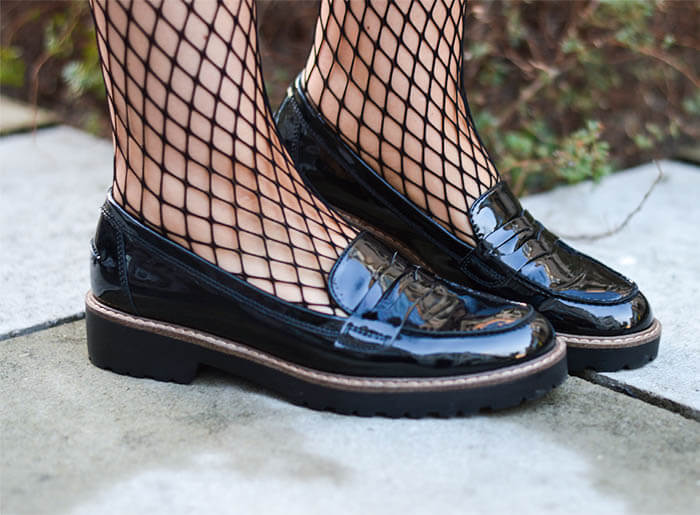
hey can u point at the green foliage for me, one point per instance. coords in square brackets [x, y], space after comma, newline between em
[583, 155]
[576, 89]
[73, 42]
[11, 67]
[691, 104]
[57, 42]
[67, 63]
[84, 76]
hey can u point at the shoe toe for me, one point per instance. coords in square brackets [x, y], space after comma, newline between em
[407, 316]
[631, 315]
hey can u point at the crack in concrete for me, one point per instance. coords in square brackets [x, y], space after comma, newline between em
[41, 326]
[638, 393]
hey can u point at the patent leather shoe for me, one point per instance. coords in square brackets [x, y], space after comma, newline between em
[605, 320]
[409, 344]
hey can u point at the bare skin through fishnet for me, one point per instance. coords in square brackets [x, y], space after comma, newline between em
[386, 75]
[197, 156]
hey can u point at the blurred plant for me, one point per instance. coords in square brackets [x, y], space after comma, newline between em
[567, 91]
[84, 76]
[72, 42]
[11, 66]
[66, 38]
[67, 46]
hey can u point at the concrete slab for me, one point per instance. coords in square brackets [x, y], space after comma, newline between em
[52, 183]
[658, 249]
[18, 116]
[77, 439]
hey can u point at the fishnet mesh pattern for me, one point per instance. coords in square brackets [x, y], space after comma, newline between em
[197, 155]
[386, 75]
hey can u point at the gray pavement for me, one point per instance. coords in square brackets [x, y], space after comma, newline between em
[17, 116]
[76, 439]
[52, 183]
[658, 249]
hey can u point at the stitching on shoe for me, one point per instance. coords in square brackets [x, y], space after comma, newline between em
[613, 341]
[121, 258]
[352, 383]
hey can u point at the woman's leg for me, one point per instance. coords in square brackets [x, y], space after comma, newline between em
[197, 156]
[386, 75]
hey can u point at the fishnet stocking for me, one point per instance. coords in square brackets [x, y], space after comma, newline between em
[386, 75]
[197, 156]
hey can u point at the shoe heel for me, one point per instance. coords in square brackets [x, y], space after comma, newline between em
[138, 353]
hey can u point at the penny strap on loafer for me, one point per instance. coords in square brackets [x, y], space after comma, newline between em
[384, 293]
[512, 241]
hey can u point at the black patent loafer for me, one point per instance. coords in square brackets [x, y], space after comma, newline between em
[602, 316]
[411, 344]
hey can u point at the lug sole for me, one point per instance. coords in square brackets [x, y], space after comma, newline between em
[611, 353]
[141, 347]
